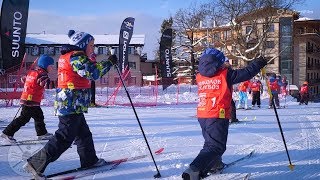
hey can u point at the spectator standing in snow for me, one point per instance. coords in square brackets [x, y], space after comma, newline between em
[256, 89]
[75, 70]
[243, 97]
[215, 82]
[304, 93]
[34, 86]
[274, 85]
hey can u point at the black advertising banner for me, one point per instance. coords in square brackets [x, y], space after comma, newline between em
[14, 17]
[166, 58]
[126, 32]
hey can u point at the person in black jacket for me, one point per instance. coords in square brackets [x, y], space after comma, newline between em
[215, 82]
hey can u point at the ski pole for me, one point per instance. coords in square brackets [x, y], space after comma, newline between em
[158, 175]
[263, 73]
[291, 166]
[16, 113]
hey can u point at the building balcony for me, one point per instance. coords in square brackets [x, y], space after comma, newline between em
[313, 67]
[313, 82]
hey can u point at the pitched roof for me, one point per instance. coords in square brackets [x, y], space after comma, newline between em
[63, 39]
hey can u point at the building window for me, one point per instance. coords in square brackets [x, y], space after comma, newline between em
[50, 51]
[132, 65]
[35, 51]
[269, 44]
[130, 50]
[216, 36]
[248, 29]
[57, 50]
[250, 45]
[234, 62]
[116, 50]
[227, 34]
[28, 50]
[286, 30]
[269, 29]
[104, 80]
[102, 50]
[41, 50]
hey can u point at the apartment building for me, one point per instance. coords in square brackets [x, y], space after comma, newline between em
[292, 46]
[306, 66]
[37, 44]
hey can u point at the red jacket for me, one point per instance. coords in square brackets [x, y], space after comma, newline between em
[34, 87]
[243, 86]
[274, 86]
[304, 89]
[214, 96]
[255, 86]
[67, 78]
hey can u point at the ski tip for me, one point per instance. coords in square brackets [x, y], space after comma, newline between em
[159, 151]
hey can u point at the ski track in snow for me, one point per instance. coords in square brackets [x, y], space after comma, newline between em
[117, 134]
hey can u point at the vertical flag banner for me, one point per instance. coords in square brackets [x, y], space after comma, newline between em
[126, 32]
[14, 17]
[166, 58]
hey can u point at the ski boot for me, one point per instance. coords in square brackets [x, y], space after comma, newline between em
[190, 174]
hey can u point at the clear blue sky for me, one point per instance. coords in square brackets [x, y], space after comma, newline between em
[106, 16]
[161, 8]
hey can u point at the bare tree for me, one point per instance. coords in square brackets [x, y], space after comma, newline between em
[249, 23]
[186, 23]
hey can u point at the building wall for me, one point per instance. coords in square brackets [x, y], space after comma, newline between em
[307, 54]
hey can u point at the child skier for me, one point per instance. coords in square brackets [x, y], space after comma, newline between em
[256, 89]
[33, 90]
[304, 93]
[75, 70]
[243, 97]
[215, 82]
[274, 85]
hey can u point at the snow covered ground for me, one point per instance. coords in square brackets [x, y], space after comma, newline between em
[117, 134]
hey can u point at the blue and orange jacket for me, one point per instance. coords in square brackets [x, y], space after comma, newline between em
[210, 69]
[274, 85]
[75, 70]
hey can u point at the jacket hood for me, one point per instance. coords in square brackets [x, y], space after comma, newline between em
[209, 64]
[68, 48]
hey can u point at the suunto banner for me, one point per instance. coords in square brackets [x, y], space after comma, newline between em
[14, 17]
[166, 58]
[125, 35]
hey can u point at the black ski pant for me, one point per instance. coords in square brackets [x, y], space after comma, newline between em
[256, 98]
[215, 134]
[71, 128]
[93, 92]
[275, 98]
[304, 98]
[233, 111]
[27, 112]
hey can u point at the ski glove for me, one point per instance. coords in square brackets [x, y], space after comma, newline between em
[261, 62]
[113, 59]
